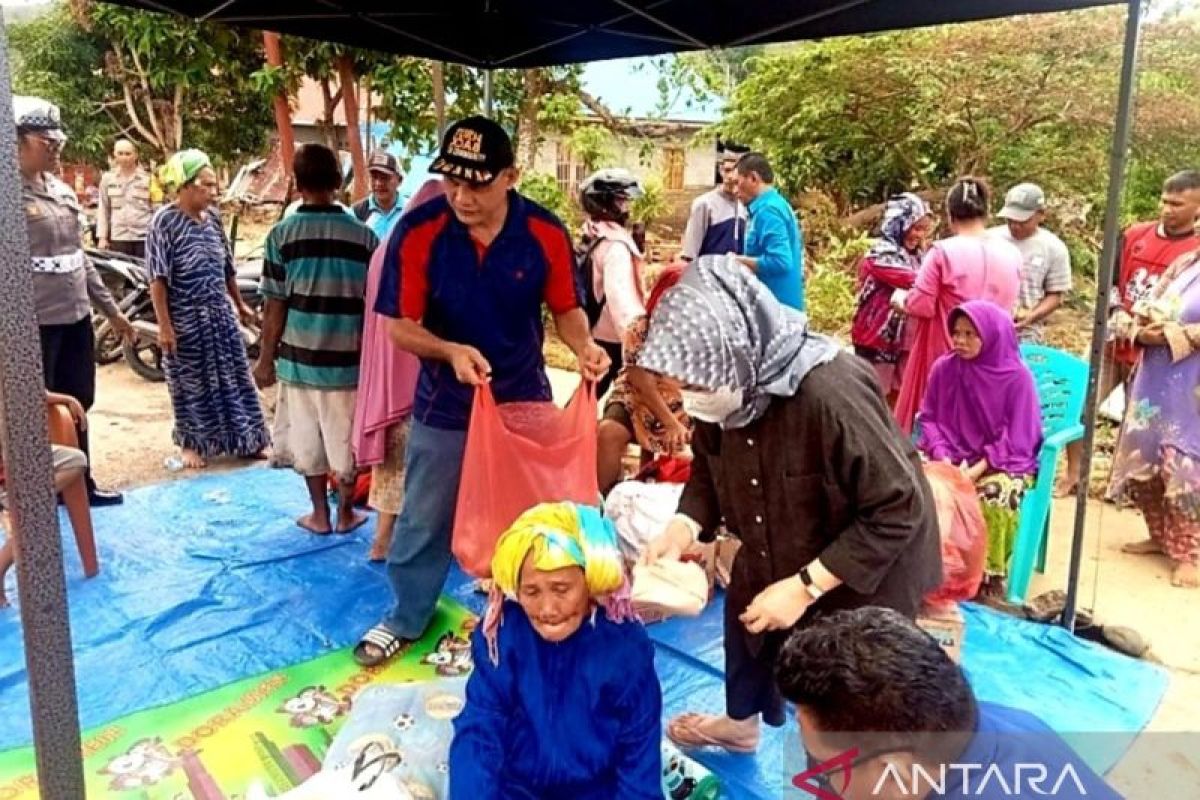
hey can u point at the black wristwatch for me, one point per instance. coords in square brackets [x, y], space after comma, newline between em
[810, 585]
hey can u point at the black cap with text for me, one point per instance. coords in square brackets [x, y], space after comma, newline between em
[475, 149]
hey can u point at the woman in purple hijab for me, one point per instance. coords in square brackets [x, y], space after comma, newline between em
[981, 412]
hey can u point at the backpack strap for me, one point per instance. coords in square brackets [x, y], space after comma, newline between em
[362, 209]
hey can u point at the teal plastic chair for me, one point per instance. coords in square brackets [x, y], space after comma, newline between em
[1062, 388]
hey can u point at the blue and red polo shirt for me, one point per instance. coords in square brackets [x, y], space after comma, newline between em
[489, 297]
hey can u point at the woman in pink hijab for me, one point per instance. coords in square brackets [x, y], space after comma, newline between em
[387, 383]
[970, 265]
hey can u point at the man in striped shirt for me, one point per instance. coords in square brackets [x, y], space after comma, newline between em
[314, 281]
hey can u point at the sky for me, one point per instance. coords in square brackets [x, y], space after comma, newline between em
[621, 85]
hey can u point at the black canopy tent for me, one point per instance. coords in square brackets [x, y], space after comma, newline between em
[534, 33]
[491, 34]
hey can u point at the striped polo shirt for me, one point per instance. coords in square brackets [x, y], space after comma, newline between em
[316, 262]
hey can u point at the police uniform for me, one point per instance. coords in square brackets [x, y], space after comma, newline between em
[125, 211]
[65, 283]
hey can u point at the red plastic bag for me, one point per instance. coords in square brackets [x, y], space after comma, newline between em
[666, 469]
[518, 455]
[362, 487]
[963, 533]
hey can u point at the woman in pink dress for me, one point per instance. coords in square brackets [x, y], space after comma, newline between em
[970, 265]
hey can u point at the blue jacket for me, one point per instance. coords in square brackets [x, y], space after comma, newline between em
[1008, 753]
[576, 720]
[773, 237]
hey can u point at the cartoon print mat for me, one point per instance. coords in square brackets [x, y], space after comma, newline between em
[203, 582]
[206, 582]
[273, 729]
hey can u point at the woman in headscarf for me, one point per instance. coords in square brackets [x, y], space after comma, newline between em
[642, 407]
[891, 263]
[799, 457]
[193, 281]
[970, 265]
[564, 701]
[386, 387]
[1157, 463]
[981, 412]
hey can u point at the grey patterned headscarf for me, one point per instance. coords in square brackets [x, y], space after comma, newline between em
[721, 327]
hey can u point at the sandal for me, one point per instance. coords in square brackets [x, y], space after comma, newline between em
[384, 641]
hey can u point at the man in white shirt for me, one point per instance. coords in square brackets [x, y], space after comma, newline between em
[717, 223]
[1046, 275]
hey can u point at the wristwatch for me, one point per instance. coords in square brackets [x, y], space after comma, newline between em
[810, 585]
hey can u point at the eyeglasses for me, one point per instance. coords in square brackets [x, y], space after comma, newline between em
[824, 780]
[52, 142]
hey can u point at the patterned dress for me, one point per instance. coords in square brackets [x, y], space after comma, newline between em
[1157, 460]
[648, 430]
[216, 405]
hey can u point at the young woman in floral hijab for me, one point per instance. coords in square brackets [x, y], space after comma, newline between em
[891, 263]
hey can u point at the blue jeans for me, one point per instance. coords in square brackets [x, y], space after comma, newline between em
[419, 560]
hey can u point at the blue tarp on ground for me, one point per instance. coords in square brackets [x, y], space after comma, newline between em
[206, 581]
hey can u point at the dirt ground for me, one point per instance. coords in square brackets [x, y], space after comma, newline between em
[131, 437]
[130, 427]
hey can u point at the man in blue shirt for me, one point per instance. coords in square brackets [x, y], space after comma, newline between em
[774, 248]
[465, 277]
[381, 208]
[884, 712]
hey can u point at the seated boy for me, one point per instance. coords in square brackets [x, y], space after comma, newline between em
[69, 465]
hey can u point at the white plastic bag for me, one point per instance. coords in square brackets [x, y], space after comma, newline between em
[640, 511]
[669, 589]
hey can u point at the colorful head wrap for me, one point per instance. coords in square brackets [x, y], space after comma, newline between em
[558, 535]
[183, 167]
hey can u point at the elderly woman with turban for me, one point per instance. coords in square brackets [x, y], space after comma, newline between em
[564, 701]
[191, 266]
[797, 455]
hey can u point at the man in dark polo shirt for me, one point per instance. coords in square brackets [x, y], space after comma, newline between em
[464, 280]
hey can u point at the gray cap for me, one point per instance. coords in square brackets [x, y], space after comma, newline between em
[382, 161]
[1023, 201]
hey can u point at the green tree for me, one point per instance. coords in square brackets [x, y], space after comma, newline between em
[163, 81]
[1024, 98]
[55, 58]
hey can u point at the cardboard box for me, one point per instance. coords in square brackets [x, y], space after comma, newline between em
[947, 626]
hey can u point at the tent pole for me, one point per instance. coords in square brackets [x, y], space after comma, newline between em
[488, 99]
[40, 579]
[1104, 282]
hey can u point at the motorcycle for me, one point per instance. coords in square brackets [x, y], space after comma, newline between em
[144, 355]
[121, 275]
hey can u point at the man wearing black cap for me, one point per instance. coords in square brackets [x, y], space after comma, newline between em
[381, 208]
[464, 280]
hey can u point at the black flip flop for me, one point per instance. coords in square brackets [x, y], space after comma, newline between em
[387, 643]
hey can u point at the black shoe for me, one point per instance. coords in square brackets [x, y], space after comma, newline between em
[102, 497]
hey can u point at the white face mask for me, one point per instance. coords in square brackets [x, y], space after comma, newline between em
[713, 406]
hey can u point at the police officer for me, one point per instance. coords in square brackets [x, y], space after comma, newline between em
[65, 284]
[125, 206]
